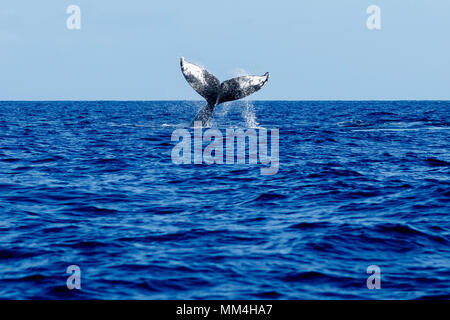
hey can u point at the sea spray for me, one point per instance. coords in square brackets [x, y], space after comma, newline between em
[249, 115]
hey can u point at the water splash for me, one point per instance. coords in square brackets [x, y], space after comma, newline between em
[244, 107]
[239, 72]
[225, 108]
[248, 110]
[249, 115]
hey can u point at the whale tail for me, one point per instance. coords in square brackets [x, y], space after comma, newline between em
[215, 92]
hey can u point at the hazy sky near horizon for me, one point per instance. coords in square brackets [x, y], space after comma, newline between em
[315, 49]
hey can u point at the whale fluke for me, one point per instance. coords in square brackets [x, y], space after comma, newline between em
[206, 84]
[241, 87]
[214, 92]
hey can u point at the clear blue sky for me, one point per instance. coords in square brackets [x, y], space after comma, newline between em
[314, 49]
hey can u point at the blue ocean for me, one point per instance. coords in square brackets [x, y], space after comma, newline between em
[92, 184]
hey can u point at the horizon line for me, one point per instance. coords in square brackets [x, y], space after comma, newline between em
[200, 100]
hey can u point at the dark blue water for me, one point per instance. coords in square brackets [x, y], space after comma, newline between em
[92, 184]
